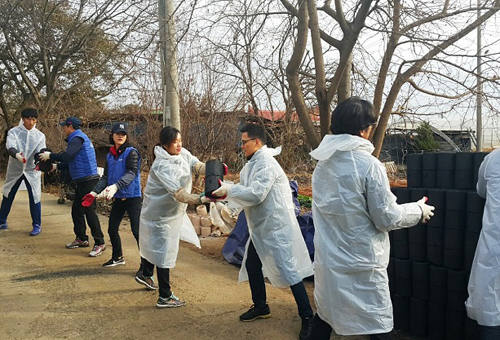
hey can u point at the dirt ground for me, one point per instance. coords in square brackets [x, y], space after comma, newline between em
[49, 292]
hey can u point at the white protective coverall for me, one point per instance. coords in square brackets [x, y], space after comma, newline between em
[483, 304]
[28, 142]
[353, 210]
[265, 195]
[163, 219]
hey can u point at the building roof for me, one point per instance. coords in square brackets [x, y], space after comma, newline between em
[280, 115]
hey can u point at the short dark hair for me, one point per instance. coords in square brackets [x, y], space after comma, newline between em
[255, 131]
[168, 134]
[29, 113]
[352, 116]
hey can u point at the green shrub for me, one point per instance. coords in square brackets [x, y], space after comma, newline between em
[305, 201]
[425, 138]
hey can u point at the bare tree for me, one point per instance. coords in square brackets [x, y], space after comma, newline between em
[54, 51]
[424, 30]
[411, 36]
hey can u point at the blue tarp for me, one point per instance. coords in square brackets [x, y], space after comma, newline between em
[234, 248]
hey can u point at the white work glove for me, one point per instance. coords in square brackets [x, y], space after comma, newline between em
[44, 156]
[205, 199]
[110, 191]
[223, 190]
[20, 157]
[427, 210]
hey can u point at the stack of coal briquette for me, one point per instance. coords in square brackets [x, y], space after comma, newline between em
[430, 263]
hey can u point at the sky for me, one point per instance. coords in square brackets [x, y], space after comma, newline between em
[194, 54]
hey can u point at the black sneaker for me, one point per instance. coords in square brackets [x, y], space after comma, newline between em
[305, 330]
[256, 313]
[148, 281]
[77, 243]
[112, 263]
[170, 302]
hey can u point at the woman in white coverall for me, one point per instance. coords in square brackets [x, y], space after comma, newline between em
[483, 304]
[276, 248]
[24, 142]
[163, 219]
[353, 211]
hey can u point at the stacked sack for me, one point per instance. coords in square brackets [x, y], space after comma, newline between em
[202, 222]
[430, 263]
[216, 223]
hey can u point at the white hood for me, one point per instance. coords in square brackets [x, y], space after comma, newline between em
[333, 143]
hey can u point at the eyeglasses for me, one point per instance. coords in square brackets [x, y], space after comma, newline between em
[244, 141]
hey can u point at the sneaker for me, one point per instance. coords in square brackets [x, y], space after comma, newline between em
[148, 281]
[3, 226]
[256, 313]
[36, 230]
[77, 243]
[305, 329]
[170, 302]
[97, 250]
[112, 263]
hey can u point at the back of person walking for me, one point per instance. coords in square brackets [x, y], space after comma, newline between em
[24, 142]
[483, 304]
[80, 159]
[121, 183]
[354, 210]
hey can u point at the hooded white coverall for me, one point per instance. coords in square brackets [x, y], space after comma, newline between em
[483, 304]
[353, 210]
[28, 142]
[163, 219]
[265, 195]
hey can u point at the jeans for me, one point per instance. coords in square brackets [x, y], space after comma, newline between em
[258, 286]
[79, 213]
[133, 207]
[320, 330]
[163, 275]
[35, 208]
[489, 332]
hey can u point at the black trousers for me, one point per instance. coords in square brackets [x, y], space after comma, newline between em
[79, 213]
[258, 286]
[321, 330]
[133, 207]
[163, 275]
[489, 332]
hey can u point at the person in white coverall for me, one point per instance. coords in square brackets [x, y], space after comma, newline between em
[353, 210]
[163, 220]
[275, 248]
[483, 304]
[24, 142]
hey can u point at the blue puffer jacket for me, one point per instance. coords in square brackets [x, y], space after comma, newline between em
[117, 166]
[84, 164]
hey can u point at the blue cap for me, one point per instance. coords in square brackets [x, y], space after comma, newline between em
[72, 121]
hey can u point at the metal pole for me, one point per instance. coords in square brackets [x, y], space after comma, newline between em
[479, 89]
[171, 112]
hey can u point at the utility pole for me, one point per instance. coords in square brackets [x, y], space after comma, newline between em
[479, 88]
[170, 96]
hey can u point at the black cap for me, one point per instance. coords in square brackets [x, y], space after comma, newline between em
[72, 121]
[29, 113]
[119, 127]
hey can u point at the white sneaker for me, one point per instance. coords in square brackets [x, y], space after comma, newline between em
[97, 250]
